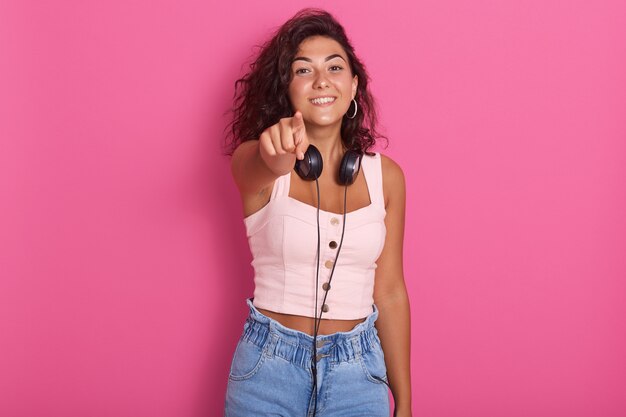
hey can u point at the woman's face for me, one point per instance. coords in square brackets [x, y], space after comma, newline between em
[321, 69]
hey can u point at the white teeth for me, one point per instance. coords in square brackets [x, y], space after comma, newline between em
[323, 100]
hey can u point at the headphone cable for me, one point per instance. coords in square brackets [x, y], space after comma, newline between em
[317, 259]
[330, 278]
[317, 321]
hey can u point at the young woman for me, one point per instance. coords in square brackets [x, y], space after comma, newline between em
[329, 294]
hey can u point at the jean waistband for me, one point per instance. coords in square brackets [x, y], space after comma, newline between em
[297, 347]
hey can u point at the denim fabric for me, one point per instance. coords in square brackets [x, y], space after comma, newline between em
[271, 371]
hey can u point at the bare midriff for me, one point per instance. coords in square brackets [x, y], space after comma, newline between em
[305, 324]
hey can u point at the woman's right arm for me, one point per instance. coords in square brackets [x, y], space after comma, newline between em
[249, 170]
[255, 164]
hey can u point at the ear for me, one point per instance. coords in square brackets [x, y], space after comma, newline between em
[355, 83]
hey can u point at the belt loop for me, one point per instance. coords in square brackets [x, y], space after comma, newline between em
[356, 345]
[270, 345]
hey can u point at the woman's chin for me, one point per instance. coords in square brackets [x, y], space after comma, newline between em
[322, 121]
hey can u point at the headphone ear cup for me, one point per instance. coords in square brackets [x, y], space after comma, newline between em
[310, 167]
[350, 166]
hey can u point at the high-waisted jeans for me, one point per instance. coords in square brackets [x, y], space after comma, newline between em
[271, 372]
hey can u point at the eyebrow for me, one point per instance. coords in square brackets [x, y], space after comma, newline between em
[328, 58]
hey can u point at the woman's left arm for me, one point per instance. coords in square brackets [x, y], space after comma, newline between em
[390, 293]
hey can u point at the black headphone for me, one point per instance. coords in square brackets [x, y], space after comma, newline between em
[309, 169]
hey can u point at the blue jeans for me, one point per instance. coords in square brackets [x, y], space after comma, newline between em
[271, 372]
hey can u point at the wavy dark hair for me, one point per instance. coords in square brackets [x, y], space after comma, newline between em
[261, 96]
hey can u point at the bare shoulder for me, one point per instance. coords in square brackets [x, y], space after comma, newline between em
[394, 187]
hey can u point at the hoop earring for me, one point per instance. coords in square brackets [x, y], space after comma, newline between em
[355, 110]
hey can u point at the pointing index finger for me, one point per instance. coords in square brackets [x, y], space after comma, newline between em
[297, 123]
[299, 133]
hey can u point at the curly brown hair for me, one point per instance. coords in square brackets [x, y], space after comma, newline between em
[261, 96]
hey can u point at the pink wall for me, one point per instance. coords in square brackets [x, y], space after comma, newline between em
[123, 259]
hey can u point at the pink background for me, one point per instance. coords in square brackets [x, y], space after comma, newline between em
[123, 259]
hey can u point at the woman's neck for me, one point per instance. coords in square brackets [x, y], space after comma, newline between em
[327, 139]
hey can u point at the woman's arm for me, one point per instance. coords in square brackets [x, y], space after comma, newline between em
[249, 170]
[390, 294]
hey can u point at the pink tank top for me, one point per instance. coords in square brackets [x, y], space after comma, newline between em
[283, 242]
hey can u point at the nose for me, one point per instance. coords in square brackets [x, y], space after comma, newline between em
[321, 81]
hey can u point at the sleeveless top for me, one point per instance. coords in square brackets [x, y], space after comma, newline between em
[283, 242]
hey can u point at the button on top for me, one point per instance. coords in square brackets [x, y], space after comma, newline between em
[332, 244]
[328, 264]
[334, 221]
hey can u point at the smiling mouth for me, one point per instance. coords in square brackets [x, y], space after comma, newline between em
[323, 101]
